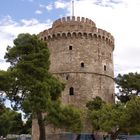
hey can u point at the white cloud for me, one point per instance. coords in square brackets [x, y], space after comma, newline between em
[59, 4]
[38, 12]
[10, 29]
[7, 20]
[49, 7]
[31, 22]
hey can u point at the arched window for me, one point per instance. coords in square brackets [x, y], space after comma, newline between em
[49, 37]
[74, 34]
[82, 65]
[69, 34]
[58, 35]
[79, 34]
[64, 35]
[85, 34]
[71, 91]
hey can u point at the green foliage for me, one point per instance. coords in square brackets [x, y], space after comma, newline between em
[95, 104]
[28, 49]
[104, 116]
[27, 127]
[129, 89]
[106, 119]
[116, 118]
[66, 117]
[5, 81]
[10, 122]
[133, 113]
[71, 119]
[32, 88]
[128, 84]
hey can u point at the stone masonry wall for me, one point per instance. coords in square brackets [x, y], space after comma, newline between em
[82, 57]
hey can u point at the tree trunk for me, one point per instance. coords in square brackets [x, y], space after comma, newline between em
[41, 124]
[114, 135]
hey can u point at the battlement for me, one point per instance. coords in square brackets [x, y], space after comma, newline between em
[47, 35]
[73, 20]
[76, 27]
[105, 35]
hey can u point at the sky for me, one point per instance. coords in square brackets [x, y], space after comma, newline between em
[119, 17]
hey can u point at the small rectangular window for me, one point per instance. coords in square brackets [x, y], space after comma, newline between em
[82, 65]
[70, 47]
[67, 77]
[104, 67]
[71, 91]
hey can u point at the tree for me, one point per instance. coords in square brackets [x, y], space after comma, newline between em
[128, 84]
[104, 117]
[65, 117]
[10, 122]
[5, 81]
[95, 104]
[117, 118]
[133, 114]
[27, 126]
[31, 88]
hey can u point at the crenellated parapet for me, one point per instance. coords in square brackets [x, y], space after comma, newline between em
[73, 20]
[76, 27]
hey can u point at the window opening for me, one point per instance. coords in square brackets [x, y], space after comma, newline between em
[71, 91]
[82, 65]
[45, 38]
[67, 77]
[104, 67]
[70, 47]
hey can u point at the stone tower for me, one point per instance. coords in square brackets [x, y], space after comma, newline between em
[82, 57]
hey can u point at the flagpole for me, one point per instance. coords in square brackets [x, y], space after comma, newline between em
[72, 7]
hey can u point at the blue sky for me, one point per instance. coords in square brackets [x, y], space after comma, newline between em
[119, 17]
[27, 9]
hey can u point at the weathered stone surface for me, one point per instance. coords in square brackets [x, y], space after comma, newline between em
[82, 57]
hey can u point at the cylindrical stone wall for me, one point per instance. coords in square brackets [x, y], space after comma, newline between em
[82, 57]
